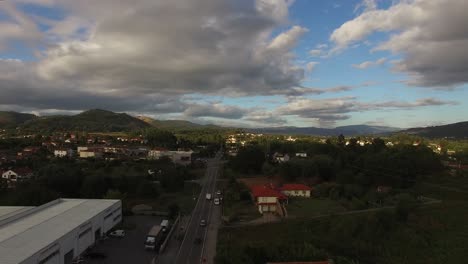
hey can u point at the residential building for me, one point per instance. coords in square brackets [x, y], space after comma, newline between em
[179, 156]
[57, 232]
[62, 153]
[301, 154]
[17, 174]
[280, 158]
[91, 153]
[268, 199]
[296, 190]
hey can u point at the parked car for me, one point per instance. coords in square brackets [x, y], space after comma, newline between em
[117, 233]
[203, 222]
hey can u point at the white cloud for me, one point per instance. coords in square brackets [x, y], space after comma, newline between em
[315, 52]
[367, 64]
[328, 111]
[151, 54]
[311, 66]
[430, 34]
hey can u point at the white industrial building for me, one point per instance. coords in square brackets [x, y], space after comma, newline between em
[56, 232]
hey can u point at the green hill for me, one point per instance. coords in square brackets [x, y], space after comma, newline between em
[456, 130]
[95, 120]
[13, 119]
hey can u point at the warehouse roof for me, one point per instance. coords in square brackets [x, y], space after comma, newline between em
[25, 231]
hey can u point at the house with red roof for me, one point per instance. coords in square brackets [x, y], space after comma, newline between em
[295, 190]
[268, 199]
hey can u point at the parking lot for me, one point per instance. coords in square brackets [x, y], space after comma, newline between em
[129, 249]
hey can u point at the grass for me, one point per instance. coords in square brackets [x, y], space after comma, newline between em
[241, 211]
[449, 181]
[311, 207]
[184, 199]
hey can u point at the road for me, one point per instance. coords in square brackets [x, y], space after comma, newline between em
[194, 242]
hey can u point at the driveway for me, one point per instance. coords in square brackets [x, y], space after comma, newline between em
[129, 249]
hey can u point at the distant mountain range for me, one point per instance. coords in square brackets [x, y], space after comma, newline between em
[456, 130]
[175, 124]
[352, 130]
[97, 120]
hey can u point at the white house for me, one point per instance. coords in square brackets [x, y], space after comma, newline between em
[61, 153]
[90, 154]
[267, 199]
[17, 174]
[278, 157]
[301, 154]
[10, 175]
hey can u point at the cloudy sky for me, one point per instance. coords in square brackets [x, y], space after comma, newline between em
[239, 62]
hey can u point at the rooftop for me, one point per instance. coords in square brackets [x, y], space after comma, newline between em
[295, 187]
[25, 231]
[266, 191]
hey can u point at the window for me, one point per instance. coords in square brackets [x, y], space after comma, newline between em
[53, 254]
[117, 217]
[108, 215]
[85, 232]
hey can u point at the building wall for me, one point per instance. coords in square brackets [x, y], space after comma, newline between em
[90, 154]
[297, 193]
[73, 242]
[267, 200]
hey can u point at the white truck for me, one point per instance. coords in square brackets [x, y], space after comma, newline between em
[153, 237]
[165, 225]
[208, 196]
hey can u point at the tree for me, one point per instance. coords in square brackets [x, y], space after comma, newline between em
[146, 190]
[114, 195]
[406, 205]
[249, 159]
[173, 210]
[94, 186]
[160, 138]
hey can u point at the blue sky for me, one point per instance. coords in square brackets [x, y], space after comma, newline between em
[256, 63]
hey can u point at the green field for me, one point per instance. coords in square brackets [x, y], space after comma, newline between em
[311, 207]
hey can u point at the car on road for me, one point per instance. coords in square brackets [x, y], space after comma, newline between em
[218, 192]
[203, 222]
[117, 233]
[216, 201]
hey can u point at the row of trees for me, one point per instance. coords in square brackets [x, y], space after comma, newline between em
[368, 165]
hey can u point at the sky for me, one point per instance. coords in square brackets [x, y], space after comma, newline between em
[246, 63]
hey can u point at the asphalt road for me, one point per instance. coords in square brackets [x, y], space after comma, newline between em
[193, 244]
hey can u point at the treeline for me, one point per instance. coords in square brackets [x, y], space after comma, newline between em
[97, 179]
